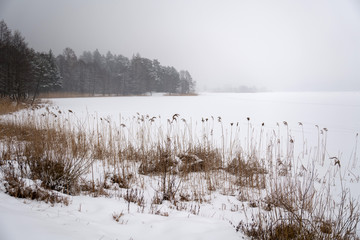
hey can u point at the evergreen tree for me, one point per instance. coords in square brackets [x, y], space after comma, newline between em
[171, 80]
[156, 73]
[99, 81]
[68, 65]
[86, 79]
[45, 72]
[5, 45]
[20, 67]
[187, 85]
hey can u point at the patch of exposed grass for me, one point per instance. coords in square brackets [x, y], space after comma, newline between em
[8, 106]
[63, 95]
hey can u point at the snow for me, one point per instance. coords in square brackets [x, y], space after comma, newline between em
[92, 218]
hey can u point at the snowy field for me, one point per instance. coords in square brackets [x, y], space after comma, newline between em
[331, 120]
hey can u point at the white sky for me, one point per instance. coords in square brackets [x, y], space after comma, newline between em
[296, 45]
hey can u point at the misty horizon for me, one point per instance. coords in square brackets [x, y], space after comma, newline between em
[272, 46]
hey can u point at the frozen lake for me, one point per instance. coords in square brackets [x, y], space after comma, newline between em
[339, 112]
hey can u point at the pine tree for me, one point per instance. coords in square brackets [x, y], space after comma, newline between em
[5, 44]
[187, 85]
[19, 67]
[68, 65]
[45, 72]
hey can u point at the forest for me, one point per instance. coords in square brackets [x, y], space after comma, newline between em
[25, 73]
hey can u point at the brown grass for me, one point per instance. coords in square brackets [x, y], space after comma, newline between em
[249, 173]
[63, 95]
[56, 158]
[16, 187]
[181, 94]
[8, 106]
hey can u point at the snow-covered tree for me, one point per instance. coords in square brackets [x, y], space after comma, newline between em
[45, 72]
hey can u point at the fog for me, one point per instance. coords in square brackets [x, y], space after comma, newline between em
[275, 45]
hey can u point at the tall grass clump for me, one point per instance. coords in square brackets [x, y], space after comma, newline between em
[42, 152]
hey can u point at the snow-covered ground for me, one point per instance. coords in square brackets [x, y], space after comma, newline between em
[92, 218]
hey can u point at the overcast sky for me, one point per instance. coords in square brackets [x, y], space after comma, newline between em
[279, 45]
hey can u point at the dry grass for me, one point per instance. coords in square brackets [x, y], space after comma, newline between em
[301, 208]
[15, 186]
[181, 94]
[122, 180]
[250, 172]
[60, 155]
[56, 158]
[8, 106]
[118, 216]
[63, 95]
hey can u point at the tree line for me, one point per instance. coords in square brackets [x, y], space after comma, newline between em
[24, 72]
